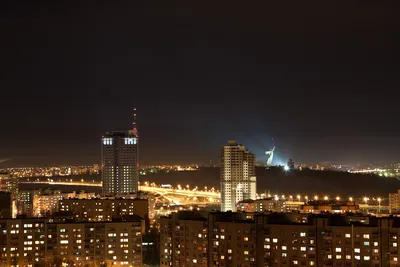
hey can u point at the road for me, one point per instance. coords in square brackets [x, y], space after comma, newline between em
[157, 190]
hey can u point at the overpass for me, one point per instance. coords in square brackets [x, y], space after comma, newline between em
[153, 189]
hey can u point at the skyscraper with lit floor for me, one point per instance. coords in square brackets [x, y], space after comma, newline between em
[120, 161]
[238, 180]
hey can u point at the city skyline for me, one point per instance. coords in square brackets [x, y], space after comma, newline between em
[145, 134]
[324, 91]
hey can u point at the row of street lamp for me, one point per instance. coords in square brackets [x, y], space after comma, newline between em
[325, 198]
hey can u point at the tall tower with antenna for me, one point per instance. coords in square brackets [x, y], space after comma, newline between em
[134, 132]
[120, 161]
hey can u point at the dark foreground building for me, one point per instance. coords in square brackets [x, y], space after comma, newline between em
[237, 239]
[40, 242]
[5, 205]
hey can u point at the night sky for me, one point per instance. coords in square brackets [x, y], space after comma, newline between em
[321, 78]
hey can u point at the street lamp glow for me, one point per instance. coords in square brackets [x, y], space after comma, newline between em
[298, 197]
[337, 198]
[286, 168]
[326, 198]
[316, 197]
[351, 199]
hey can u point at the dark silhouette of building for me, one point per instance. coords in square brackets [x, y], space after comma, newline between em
[5, 205]
[290, 164]
[151, 248]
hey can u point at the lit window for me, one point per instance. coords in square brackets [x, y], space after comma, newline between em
[366, 243]
[366, 258]
[376, 244]
[366, 236]
[357, 257]
[303, 248]
[312, 263]
[130, 141]
[246, 252]
[107, 141]
[246, 238]
[338, 257]
[395, 259]
[295, 262]
[329, 256]
[194, 261]
[347, 235]
[284, 248]
[338, 249]
[348, 257]
[230, 251]
[284, 255]
[302, 234]
[357, 250]
[394, 244]
[275, 240]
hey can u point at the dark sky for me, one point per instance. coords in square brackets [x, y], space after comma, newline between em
[322, 78]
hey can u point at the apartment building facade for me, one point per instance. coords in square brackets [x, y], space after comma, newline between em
[37, 242]
[97, 209]
[231, 239]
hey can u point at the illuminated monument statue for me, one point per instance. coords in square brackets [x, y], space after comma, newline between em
[271, 154]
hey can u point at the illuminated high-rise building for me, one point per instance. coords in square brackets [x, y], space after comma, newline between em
[120, 161]
[238, 180]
